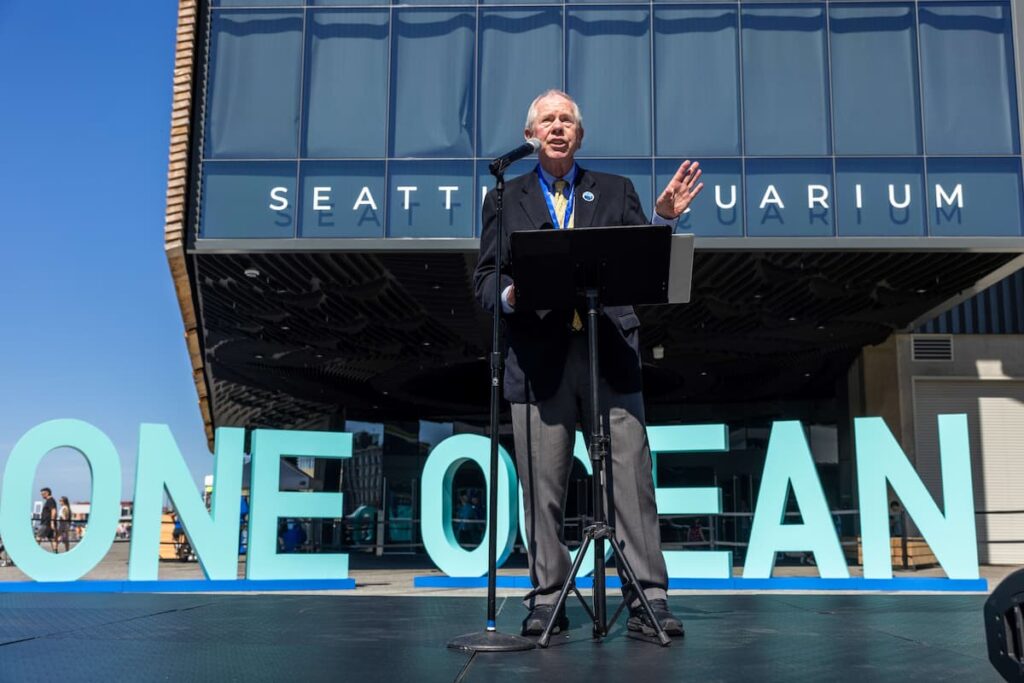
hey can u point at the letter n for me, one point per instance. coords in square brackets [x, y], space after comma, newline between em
[213, 535]
[952, 535]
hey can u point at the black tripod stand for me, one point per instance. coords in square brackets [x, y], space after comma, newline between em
[577, 261]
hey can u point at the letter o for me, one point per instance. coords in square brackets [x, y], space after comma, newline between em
[436, 507]
[16, 499]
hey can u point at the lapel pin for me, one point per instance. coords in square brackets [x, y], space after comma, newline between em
[588, 196]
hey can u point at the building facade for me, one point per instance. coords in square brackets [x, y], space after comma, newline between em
[862, 165]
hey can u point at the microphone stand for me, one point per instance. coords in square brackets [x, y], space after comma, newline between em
[490, 639]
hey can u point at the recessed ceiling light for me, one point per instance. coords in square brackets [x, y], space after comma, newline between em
[426, 343]
[251, 272]
[703, 373]
[792, 318]
[259, 356]
[285, 327]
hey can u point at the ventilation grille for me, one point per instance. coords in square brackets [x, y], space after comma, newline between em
[933, 348]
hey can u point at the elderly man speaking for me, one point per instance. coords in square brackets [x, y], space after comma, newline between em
[546, 378]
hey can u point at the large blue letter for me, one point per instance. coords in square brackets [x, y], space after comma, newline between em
[436, 506]
[213, 536]
[16, 500]
[951, 536]
[691, 500]
[789, 461]
[268, 503]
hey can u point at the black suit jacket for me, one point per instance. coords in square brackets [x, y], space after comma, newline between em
[536, 346]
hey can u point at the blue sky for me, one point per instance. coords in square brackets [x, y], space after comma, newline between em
[91, 326]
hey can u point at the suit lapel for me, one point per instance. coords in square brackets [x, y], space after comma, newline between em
[534, 205]
[583, 210]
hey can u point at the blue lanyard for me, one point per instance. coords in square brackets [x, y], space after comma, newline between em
[548, 192]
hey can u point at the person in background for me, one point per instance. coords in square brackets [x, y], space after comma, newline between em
[63, 525]
[47, 518]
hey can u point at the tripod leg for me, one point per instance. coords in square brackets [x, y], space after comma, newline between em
[620, 560]
[570, 582]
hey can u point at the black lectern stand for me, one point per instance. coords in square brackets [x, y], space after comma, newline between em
[585, 268]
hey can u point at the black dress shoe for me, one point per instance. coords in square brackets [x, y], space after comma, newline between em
[537, 620]
[639, 621]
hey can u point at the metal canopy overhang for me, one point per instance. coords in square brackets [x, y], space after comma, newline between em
[389, 329]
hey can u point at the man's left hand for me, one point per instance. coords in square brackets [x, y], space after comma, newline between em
[680, 191]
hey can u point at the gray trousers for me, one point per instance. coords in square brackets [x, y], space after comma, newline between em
[544, 437]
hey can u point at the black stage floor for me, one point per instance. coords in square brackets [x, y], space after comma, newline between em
[348, 638]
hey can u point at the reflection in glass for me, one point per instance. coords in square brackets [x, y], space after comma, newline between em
[520, 57]
[342, 199]
[790, 197]
[785, 83]
[430, 199]
[432, 83]
[880, 197]
[609, 74]
[874, 80]
[253, 100]
[346, 83]
[696, 81]
[974, 197]
[967, 66]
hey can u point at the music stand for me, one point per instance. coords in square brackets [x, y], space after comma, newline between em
[612, 266]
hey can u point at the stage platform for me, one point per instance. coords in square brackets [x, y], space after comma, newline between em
[272, 637]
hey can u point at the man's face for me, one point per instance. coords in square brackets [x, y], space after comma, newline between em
[556, 128]
[45, 494]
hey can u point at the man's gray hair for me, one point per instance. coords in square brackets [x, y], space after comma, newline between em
[531, 113]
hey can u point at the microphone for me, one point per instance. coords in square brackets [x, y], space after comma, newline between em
[520, 152]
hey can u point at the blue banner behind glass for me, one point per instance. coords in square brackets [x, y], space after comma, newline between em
[253, 93]
[431, 199]
[609, 74]
[696, 78]
[342, 199]
[785, 81]
[790, 197]
[520, 57]
[875, 93]
[881, 197]
[346, 53]
[248, 199]
[718, 211]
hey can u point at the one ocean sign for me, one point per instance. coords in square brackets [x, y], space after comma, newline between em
[948, 529]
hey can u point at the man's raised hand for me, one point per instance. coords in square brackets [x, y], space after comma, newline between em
[680, 191]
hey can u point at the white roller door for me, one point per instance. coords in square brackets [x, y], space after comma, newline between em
[995, 415]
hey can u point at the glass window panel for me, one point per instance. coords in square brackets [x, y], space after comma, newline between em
[346, 53]
[696, 81]
[789, 197]
[880, 197]
[432, 83]
[520, 57]
[637, 170]
[255, 70]
[337, 3]
[718, 210]
[874, 80]
[967, 67]
[609, 74]
[256, 3]
[437, 199]
[248, 199]
[485, 182]
[974, 197]
[342, 199]
[785, 88]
